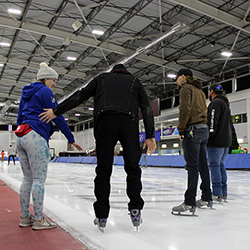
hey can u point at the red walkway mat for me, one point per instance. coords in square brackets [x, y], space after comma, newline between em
[12, 237]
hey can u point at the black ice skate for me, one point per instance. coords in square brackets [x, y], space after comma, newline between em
[224, 197]
[200, 203]
[179, 210]
[101, 223]
[217, 199]
[135, 215]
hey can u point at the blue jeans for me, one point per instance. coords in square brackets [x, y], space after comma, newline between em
[194, 147]
[144, 159]
[216, 157]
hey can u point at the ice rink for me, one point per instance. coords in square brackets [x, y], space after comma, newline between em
[69, 198]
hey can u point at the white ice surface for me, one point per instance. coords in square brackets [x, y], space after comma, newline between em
[69, 198]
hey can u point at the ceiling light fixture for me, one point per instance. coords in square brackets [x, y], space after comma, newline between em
[226, 53]
[76, 25]
[212, 43]
[1, 64]
[178, 27]
[77, 114]
[14, 11]
[4, 44]
[66, 41]
[240, 140]
[171, 75]
[71, 58]
[98, 32]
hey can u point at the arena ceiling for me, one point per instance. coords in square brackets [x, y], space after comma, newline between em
[153, 38]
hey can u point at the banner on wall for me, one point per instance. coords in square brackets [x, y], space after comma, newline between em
[165, 132]
[168, 131]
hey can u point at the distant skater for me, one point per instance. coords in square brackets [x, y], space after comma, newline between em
[11, 154]
[2, 156]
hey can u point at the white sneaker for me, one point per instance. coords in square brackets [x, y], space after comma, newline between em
[45, 224]
[27, 222]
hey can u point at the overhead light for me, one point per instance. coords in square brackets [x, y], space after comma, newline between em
[4, 44]
[226, 53]
[14, 11]
[240, 140]
[98, 32]
[176, 145]
[212, 43]
[164, 145]
[76, 25]
[1, 64]
[90, 108]
[179, 27]
[171, 75]
[77, 114]
[66, 119]
[71, 58]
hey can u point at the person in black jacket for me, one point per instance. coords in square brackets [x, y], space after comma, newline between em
[219, 123]
[117, 98]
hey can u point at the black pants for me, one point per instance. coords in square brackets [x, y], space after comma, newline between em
[110, 128]
[13, 158]
[194, 147]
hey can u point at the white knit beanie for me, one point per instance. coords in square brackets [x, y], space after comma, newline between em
[46, 72]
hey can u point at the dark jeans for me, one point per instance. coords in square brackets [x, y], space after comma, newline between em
[110, 128]
[194, 148]
[13, 158]
[216, 157]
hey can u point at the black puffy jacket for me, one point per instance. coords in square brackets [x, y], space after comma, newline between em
[117, 91]
[219, 123]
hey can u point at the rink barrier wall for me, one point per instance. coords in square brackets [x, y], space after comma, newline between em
[232, 161]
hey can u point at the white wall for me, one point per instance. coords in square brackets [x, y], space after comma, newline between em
[85, 139]
[5, 138]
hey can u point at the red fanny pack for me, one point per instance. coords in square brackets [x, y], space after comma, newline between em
[22, 130]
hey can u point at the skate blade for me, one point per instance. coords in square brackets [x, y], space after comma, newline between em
[207, 208]
[183, 214]
[101, 228]
[217, 203]
[98, 225]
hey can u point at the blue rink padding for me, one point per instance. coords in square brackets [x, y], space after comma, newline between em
[232, 161]
[6, 158]
[165, 160]
[237, 161]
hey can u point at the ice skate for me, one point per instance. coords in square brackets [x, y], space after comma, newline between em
[101, 223]
[217, 199]
[200, 203]
[179, 210]
[224, 198]
[135, 215]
